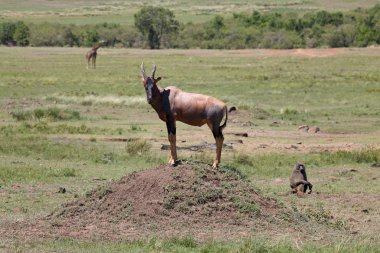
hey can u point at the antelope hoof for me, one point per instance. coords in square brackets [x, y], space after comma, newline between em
[172, 162]
[215, 165]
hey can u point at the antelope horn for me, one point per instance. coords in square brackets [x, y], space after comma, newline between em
[143, 73]
[153, 71]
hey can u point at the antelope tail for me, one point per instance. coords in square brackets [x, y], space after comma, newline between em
[225, 122]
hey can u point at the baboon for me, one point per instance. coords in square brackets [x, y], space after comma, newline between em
[298, 180]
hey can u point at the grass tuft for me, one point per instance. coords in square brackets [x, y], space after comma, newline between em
[138, 147]
[53, 114]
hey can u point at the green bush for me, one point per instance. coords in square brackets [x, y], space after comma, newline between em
[281, 40]
[21, 34]
[360, 27]
[90, 37]
[7, 30]
[47, 34]
[138, 147]
[22, 115]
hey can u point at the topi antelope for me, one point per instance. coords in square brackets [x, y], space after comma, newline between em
[172, 104]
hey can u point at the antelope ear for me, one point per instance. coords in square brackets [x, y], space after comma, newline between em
[157, 79]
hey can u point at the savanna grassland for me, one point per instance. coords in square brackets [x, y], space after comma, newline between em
[69, 134]
[65, 126]
[92, 12]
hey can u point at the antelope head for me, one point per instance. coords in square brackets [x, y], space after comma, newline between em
[150, 83]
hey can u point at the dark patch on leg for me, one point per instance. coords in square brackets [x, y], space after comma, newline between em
[170, 127]
[218, 134]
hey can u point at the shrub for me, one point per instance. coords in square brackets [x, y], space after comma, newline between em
[47, 34]
[7, 29]
[280, 40]
[57, 114]
[90, 37]
[21, 34]
[54, 113]
[138, 147]
[343, 36]
[21, 115]
[64, 172]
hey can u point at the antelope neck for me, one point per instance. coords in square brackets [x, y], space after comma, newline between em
[157, 98]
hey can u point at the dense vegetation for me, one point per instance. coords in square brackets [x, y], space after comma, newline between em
[359, 28]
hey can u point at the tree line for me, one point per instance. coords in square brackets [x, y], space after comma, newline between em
[156, 27]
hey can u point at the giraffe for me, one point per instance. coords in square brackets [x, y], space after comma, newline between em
[91, 55]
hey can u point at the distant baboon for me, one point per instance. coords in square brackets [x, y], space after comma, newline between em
[298, 180]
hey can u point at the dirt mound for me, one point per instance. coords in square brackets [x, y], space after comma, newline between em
[189, 200]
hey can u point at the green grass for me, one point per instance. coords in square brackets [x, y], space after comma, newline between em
[278, 164]
[315, 95]
[9, 175]
[189, 245]
[64, 126]
[92, 12]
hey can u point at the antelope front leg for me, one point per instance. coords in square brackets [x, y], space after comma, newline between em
[172, 139]
[173, 150]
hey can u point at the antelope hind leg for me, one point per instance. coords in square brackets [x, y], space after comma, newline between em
[219, 144]
[218, 135]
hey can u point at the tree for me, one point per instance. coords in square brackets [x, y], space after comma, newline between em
[343, 36]
[7, 29]
[69, 37]
[214, 27]
[21, 34]
[91, 37]
[155, 22]
[325, 18]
